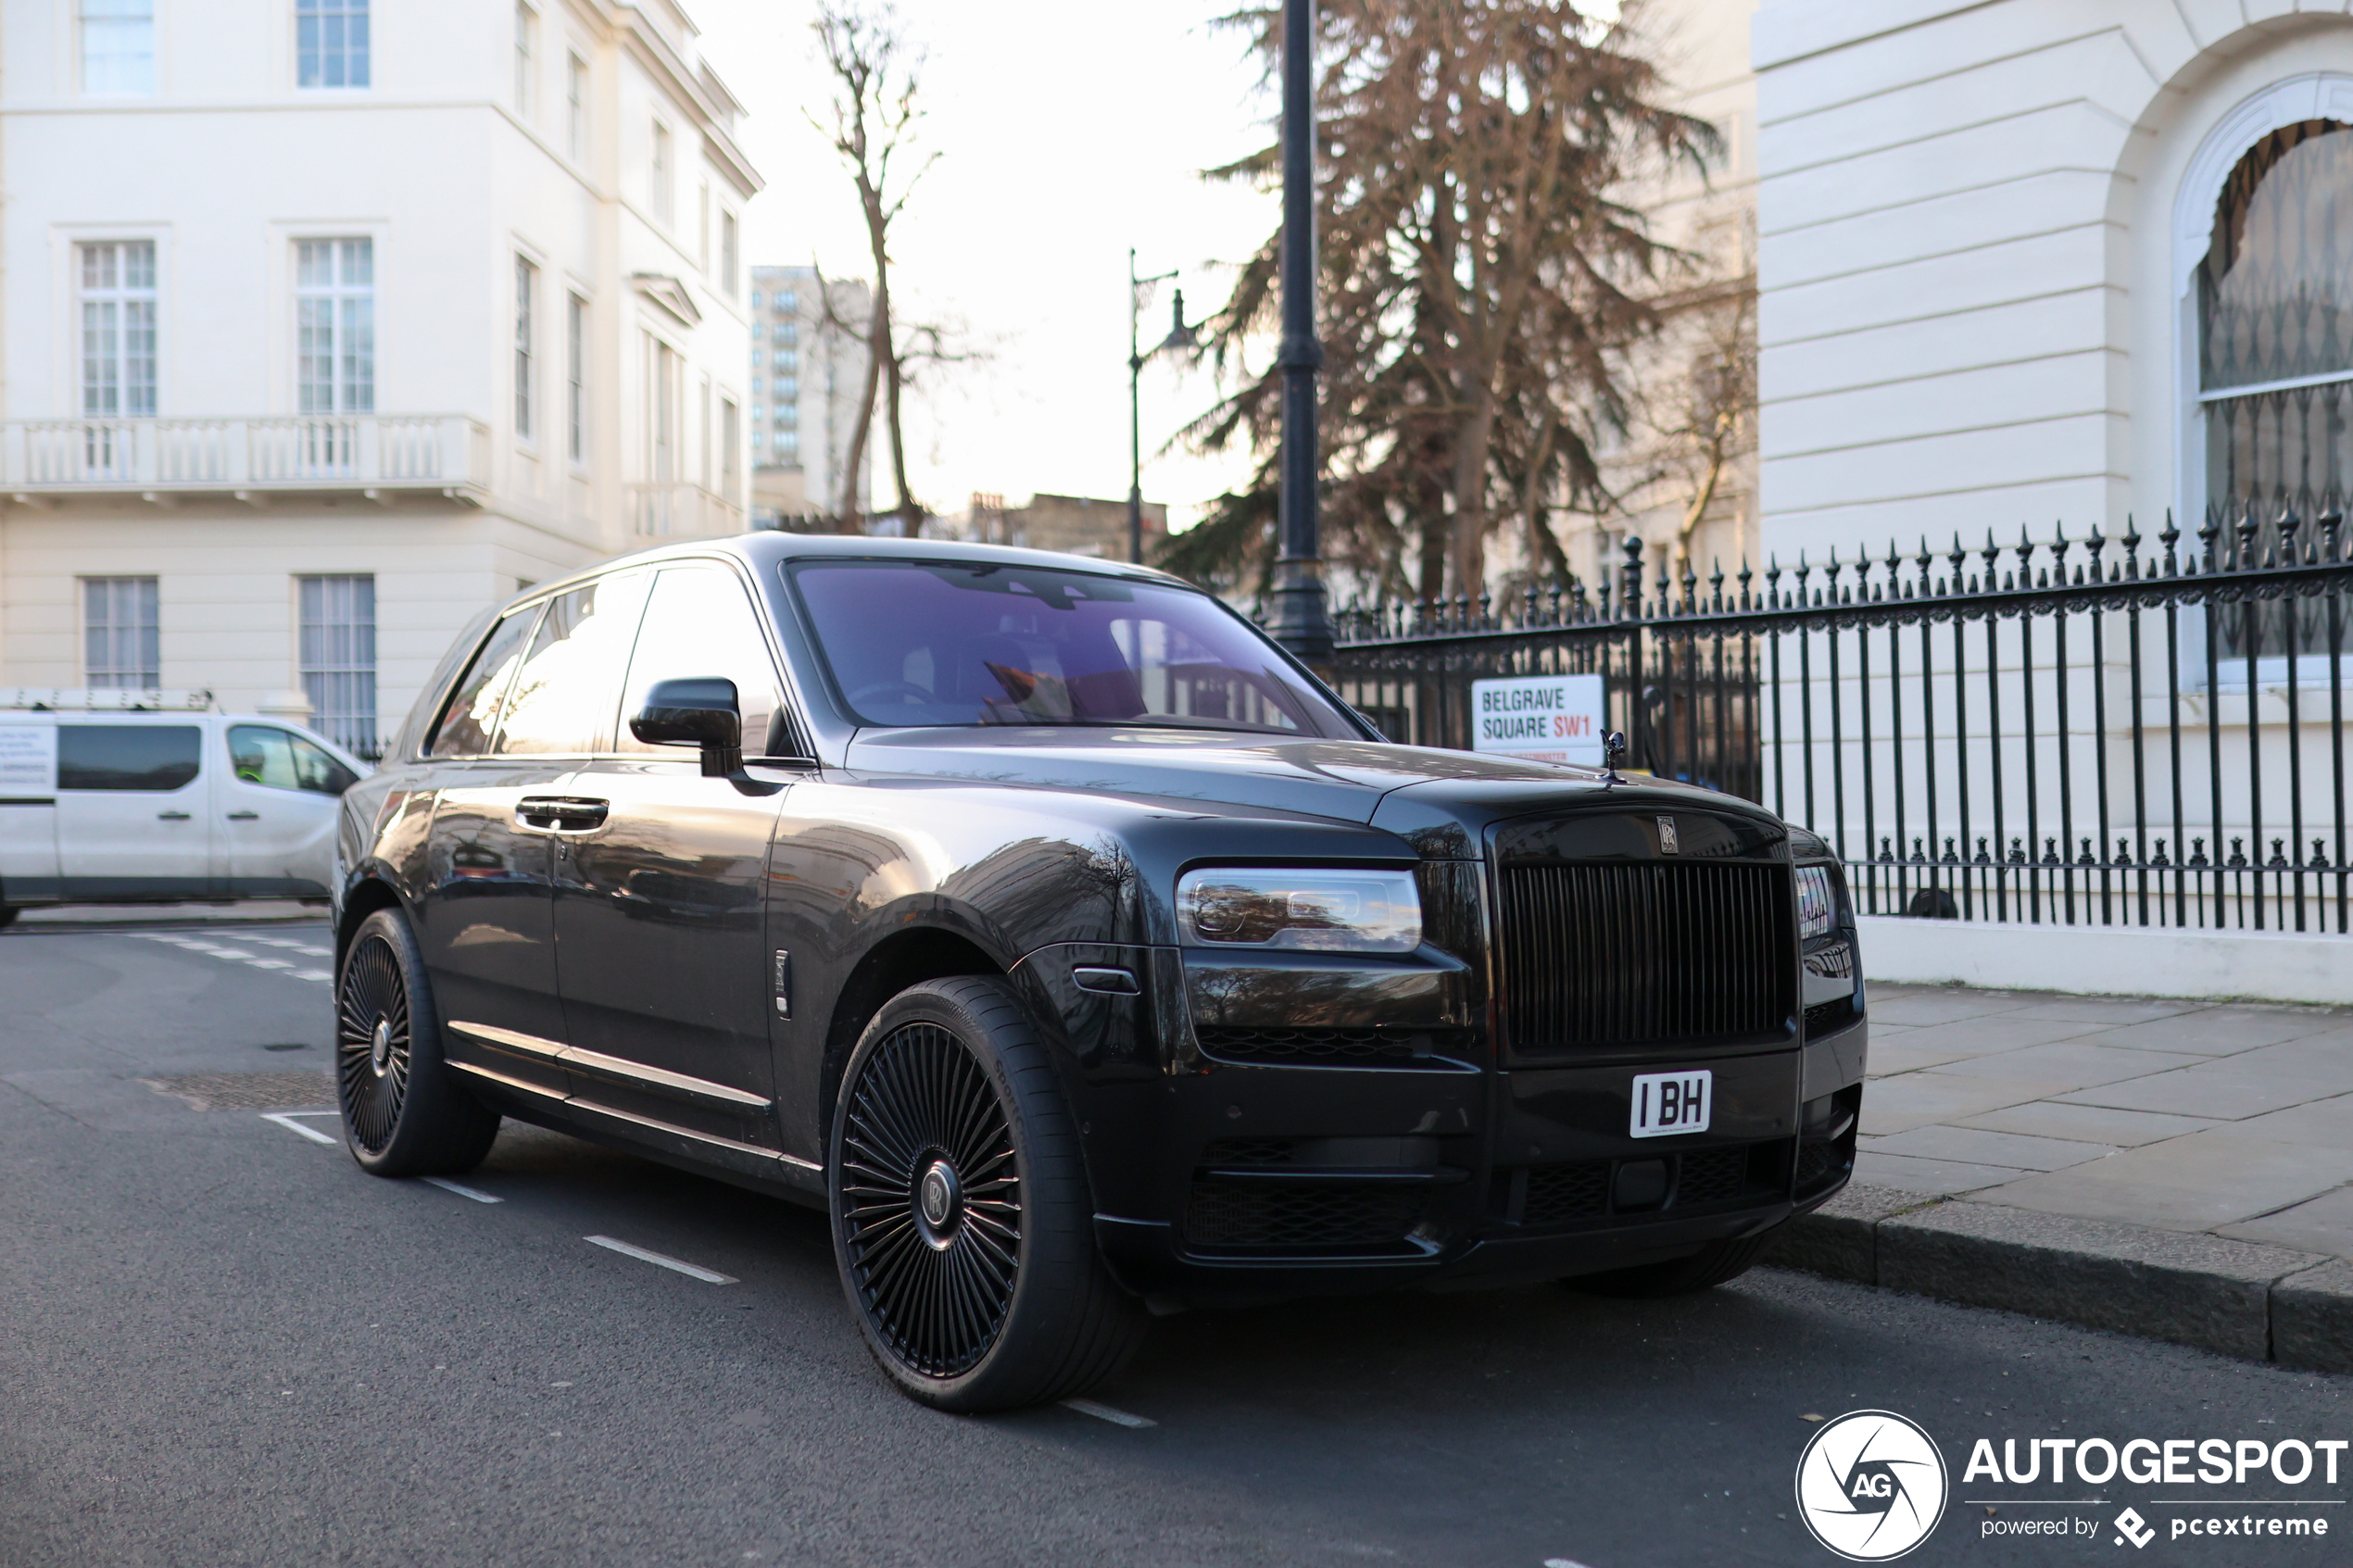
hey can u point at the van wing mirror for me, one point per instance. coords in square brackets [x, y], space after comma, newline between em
[699, 711]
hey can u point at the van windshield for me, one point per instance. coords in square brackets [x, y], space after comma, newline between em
[925, 643]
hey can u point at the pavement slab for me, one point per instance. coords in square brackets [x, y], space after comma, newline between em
[1912, 1099]
[2079, 1061]
[1934, 1177]
[2222, 1090]
[2222, 1031]
[2327, 1122]
[2187, 1184]
[2002, 1032]
[2318, 1224]
[1980, 1146]
[2090, 1123]
[2110, 1011]
[1943, 1005]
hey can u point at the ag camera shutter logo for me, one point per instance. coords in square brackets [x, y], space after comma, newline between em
[1871, 1486]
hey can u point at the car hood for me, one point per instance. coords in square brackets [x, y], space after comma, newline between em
[1341, 778]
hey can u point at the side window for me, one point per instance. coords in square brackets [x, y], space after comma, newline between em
[698, 621]
[569, 683]
[275, 759]
[472, 716]
[155, 757]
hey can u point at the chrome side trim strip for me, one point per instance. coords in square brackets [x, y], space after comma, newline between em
[655, 1124]
[661, 1080]
[504, 1082]
[512, 1040]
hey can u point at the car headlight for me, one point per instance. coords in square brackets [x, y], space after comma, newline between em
[1817, 902]
[1329, 911]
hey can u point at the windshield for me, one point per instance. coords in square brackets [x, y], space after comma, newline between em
[917, 642]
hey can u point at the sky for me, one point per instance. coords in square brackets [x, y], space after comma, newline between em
[1068, 130]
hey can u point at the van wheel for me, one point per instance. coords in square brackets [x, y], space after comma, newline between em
[961, 1217]
[7, 916]
[1716, 1263]
[404, 1112]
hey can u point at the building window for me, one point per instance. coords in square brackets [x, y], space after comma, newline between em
[788, 416]
[576, 378]
[663, 406]
[119, 47]
[755, 356]
[526, 48]
[758, 441]
[576, 105]
[787, 301]
[788, 387]
[755, 305]
[789, 359]
[336, 326]
[118, 329]
[526, 284]
[665, 203]
[756, 385]
[338, 648]
[2275, 346]
[331, 42]
[727, 253]
[119, 645]
[702, 227]
[786, 331]
[787, 445]
[730, 459]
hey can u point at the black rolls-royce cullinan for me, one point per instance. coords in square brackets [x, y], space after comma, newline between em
[1076, 948]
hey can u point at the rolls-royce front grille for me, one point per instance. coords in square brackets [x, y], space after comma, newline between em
[1604, 957]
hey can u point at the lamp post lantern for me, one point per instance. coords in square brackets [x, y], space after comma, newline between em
[1179, 336]
[1298, 619]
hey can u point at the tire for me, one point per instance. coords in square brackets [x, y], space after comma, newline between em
[961, 1217]
[404, 1112]
[1717, 1263]
[7, 916]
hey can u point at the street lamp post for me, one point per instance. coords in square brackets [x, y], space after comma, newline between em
[1298, 620]
[1179, 336]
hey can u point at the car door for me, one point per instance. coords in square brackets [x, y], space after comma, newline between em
[134, 810]
[28, 811]
[482, 922]
[277, 800]
[660, 937]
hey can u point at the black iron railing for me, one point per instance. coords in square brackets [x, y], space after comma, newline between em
[2059, 731]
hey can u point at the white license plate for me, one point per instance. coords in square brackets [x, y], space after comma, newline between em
[1667, 1103]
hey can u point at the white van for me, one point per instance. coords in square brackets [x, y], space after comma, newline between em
[140, 797]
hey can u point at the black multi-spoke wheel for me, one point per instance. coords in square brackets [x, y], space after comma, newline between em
[961, 1217]
[371, 1041]
[931, 1199]
[403, 1113]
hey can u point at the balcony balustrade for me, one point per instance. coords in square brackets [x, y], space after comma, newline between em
[251, 458]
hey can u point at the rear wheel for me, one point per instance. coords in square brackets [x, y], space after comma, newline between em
[7, 916]
[961, 1216]
[404, 1112]
[1714, 1265]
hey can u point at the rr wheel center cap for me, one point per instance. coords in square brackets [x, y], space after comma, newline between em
[379, 1046]
[939, 1202]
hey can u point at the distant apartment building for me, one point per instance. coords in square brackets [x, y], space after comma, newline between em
[329, 322]
[1078, 525]
[807, 373]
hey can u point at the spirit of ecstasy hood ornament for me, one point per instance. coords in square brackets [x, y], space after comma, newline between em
[1613, 749]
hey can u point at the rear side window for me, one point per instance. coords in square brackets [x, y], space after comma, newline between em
[569, 683]
[154, 757]
[471, 718]
[275, 759]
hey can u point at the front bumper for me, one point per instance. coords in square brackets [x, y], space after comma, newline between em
[1373, 1139]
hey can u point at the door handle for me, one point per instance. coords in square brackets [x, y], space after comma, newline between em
[244, 816]
[171, 816]
[563, 813]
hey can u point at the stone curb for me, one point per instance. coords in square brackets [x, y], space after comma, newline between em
[2238, 1298]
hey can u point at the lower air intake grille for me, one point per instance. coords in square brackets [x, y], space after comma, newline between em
[1276, 1218]
[1622, 955]
[1717, 1177]
[1335, 1046]
[1557, 1194]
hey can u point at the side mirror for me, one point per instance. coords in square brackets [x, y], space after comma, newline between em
[700, 711]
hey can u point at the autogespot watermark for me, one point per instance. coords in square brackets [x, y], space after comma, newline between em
[1871, 1486]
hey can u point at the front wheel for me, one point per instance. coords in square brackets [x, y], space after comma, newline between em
[7, 916]
[961, 1217]
[404, 1112]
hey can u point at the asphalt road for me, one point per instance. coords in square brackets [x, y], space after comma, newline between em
[220, 1343]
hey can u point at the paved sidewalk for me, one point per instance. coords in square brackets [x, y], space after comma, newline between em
[2178, 1115]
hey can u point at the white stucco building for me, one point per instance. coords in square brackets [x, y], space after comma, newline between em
[2045, 260]
[328, 323]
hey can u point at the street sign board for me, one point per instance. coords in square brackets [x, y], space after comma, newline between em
[1539, 717]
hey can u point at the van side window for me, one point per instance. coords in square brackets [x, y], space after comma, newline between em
[154, 757]
[275, 759]
[569, 683]
[472, 716]
[698, 621]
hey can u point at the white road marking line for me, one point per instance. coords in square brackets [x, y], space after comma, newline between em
[311, 974]
[445, 1184]
[271, 963]
[232, 953]
[286, 1119]
[691, 1269]
[1106, 1412]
